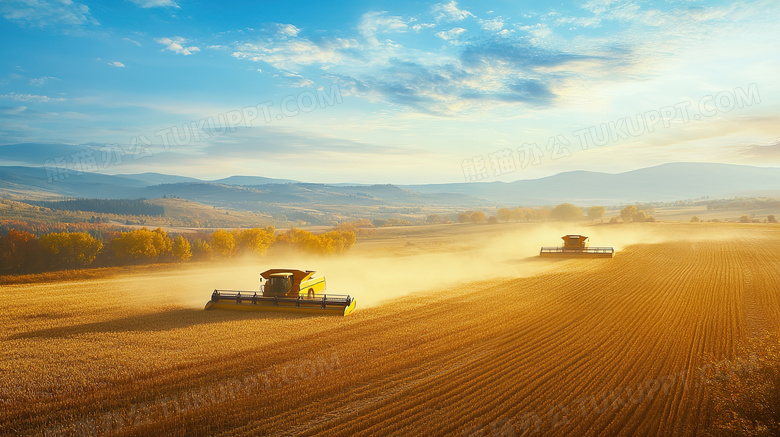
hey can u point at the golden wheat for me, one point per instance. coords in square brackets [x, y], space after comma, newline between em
[578, 347]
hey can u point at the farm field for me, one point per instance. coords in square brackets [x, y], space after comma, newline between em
[459, 330]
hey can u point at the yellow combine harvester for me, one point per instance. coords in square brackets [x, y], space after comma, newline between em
[296, 291]
[577, 246]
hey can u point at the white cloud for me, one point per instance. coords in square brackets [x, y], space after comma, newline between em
[579, 21]
[15, 110]
[38, 81]
[373, 23]
[494, 25]
[450, 12]
[291, 55]
[155, 3]
[287, 30]
[421, 26]
[452, 34]
[41, 13]
[131, 41]
[30, 98]
[538, 32]
[298, 81]
[176, 45]
[116, 64]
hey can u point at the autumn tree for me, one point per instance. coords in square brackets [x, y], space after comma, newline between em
[181, 249]
[336, 242]
[464, 217]
[628, 213]
[296, 239]
[201, 249]
[332, 242]
[492, 220]
[18, 252]
[70, 249]
[141, 245]
[771, 218]
[504, 214]
[745, 219]
[255, 240]
[596, 212]
[223, 243]
[566, 212]
[695, 219]
[478, 217]
[354, 224]
[517, 214]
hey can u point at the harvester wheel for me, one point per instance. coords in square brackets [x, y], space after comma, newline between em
[311, 293]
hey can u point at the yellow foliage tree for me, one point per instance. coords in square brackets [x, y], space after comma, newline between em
[201, 249]
[628, 213]
[332, 242]
[596, 212]
[223, 243]
[182, 250]
[141, 245]
[70, 249]
[566, 212]
[337, 241]
[256, 240]
[478, 217]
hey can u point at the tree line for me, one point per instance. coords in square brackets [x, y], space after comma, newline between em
[24, 252]
[562, 212]
[106, 206]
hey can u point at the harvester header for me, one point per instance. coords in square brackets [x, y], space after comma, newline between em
[285, 290]
[576, 246]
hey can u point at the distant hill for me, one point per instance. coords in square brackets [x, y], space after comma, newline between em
[666, 182]
[252, 180]
[158, 178]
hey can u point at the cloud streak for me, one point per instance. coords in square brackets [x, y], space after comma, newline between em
[43, 13]
[155, 3]
[21, 97]
[176, 45]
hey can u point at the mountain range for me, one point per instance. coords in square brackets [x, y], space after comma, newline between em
[667, 182]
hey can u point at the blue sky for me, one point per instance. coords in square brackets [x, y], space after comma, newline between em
[387, 92]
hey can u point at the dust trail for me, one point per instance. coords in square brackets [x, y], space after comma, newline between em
[502, 252]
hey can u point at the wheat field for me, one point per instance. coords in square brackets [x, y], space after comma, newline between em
[458, 331]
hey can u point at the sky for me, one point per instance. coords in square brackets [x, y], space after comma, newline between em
[402, 92]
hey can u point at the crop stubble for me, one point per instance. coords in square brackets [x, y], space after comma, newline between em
[548, 354]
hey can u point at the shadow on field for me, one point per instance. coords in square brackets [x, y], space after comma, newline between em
[159, 321]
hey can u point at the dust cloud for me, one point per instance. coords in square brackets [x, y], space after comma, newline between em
[426, 265]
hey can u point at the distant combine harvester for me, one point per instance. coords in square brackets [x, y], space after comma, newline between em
[576, 246]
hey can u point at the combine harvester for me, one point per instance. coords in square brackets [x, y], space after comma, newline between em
[294, 291]
[576, 246]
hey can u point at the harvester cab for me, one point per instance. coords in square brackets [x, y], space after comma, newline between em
[278, 284]
[576, 246]
[285, 290]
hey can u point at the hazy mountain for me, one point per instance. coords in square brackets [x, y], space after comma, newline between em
[158, 178]
[661, 183]
[252, 180]
[674, 181]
